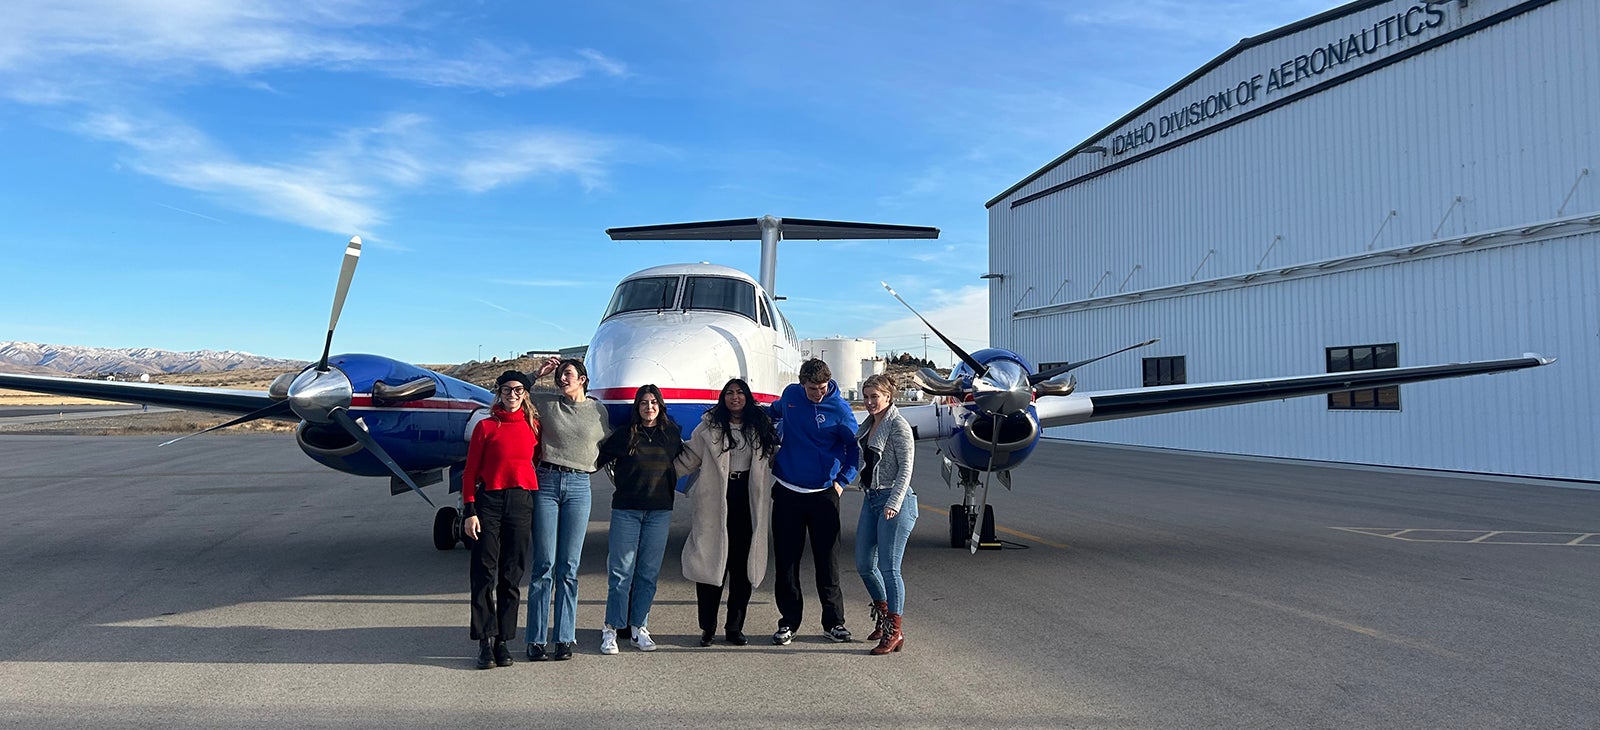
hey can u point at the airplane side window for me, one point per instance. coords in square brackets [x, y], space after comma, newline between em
[644, 295]
[766, 319]
[721, 294]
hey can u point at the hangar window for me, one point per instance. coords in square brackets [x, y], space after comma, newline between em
[1364, 357]
[1164, 371]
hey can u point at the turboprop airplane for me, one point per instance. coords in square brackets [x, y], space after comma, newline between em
[689, 328]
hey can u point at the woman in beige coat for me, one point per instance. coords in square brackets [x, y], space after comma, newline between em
[731, 502]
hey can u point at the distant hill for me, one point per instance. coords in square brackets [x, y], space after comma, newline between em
[33, 358]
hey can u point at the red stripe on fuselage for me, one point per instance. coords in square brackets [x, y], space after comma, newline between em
[366, 401]
[672, 394]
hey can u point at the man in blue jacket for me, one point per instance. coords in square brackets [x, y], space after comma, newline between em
[816, 462]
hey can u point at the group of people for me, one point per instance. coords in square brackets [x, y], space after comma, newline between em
[783, 467]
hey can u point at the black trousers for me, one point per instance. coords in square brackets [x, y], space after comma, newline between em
[794, 517]
[737, 574]
[499, 560]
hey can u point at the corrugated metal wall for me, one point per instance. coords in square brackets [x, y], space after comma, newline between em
[1502, 118]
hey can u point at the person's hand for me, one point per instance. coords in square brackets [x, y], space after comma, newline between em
[838, 489]
[549, 366]
[471, 527]
[889, 513]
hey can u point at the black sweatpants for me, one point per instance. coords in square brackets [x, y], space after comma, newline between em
[736, 575]
[499, 560]
[794, 516]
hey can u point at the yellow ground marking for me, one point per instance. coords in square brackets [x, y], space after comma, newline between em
[1008, 531]
[1477, 537]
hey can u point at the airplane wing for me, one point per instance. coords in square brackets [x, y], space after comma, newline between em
[1107, 405]
[216, 400]
[749, 229]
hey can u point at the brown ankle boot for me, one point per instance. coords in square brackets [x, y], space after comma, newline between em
[880, 609]
[892, 639]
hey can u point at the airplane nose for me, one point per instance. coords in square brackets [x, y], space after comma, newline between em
[636, 371]
[315, 394]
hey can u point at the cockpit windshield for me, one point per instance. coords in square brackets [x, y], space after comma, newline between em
[721, 294]
[703, 293]
[651, 294]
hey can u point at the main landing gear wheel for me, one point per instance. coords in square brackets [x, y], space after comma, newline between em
[961, 525]
[446, 528]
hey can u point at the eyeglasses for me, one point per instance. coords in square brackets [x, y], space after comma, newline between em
[513, 391]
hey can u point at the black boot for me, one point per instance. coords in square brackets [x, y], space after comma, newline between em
[736, 637]
[706, 635]
[485, 653]
[502, 654]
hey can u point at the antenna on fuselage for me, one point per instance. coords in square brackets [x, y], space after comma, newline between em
[769, 230]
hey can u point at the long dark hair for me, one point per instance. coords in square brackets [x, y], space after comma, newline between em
[757, 427]
[635, 424]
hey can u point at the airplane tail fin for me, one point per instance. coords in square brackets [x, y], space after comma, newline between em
[769, 230]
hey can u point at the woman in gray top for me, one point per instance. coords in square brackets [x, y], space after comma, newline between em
[889, 510]
[572, 426]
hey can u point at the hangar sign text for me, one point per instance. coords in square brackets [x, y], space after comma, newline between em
[1340, 52]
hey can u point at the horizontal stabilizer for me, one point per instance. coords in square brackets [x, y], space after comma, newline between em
[749, 229]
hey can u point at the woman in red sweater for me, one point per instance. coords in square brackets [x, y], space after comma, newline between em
[496, 492]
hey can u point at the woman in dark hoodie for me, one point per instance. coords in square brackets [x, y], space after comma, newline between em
[641, 510]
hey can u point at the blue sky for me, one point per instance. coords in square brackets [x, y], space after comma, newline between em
[184, 175]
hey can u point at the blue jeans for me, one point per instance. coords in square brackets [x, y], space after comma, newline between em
[638, 542]
[560, 519]
[880, 545]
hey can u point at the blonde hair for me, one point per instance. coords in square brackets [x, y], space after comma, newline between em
[883, 383]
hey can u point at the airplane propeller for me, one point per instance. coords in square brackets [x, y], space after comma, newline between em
[322, 394]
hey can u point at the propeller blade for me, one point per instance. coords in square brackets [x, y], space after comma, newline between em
[983, 494]
[977, 367]
[1044, 375]
[352, 254]
[342, 417]
[272, 410]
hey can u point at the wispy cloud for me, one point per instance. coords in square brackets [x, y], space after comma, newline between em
[68, 49]
[320, 198]
[343, 185]
[961, 314]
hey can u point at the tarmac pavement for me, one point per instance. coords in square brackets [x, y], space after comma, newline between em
[230, 581]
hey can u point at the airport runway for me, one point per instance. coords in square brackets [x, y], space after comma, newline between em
[229, 581]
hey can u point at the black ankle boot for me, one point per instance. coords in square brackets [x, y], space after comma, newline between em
[736, 637]
[502, 654]
[485, 654]
[706, 635]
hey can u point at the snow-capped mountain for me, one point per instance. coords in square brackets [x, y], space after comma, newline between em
[29, 357]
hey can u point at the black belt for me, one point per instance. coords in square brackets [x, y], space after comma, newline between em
[557, 467]
[732, 475]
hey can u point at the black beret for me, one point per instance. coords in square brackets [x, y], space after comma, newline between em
[516, 376]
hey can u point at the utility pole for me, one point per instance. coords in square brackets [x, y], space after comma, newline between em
[480, 353]
[925, 346]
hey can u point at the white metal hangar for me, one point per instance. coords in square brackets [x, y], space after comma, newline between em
[1388, 183]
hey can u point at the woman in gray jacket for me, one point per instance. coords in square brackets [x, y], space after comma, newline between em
[889, 510]
[732, 506]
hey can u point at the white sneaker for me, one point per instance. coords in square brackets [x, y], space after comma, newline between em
[608, 640]
[642, 641]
